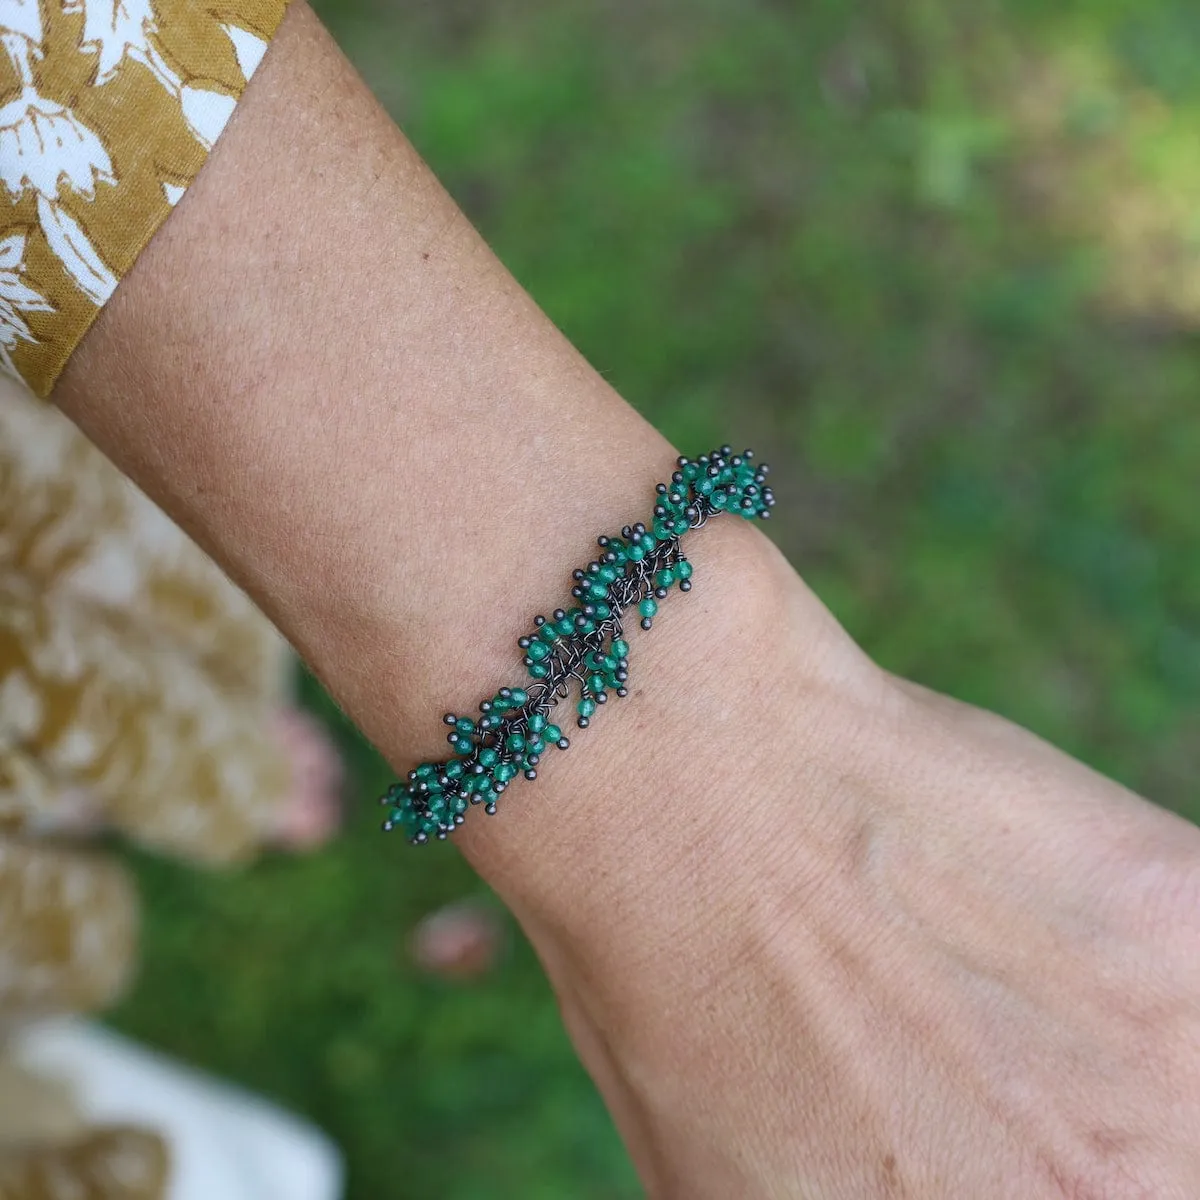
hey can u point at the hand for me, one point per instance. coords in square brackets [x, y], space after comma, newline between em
[883, 944]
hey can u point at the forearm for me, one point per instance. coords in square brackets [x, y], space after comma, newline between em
[320, 369]
[323, 373]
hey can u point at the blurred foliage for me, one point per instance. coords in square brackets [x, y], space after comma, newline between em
[943, 262]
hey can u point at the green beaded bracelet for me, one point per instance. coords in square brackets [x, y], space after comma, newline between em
[584, 644]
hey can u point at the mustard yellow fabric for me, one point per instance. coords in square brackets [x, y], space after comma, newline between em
[109, 1164]
[137, 686]
[108, 110]
[131, 669]
[136, 682]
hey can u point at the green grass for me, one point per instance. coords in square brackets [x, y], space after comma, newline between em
[847, 233]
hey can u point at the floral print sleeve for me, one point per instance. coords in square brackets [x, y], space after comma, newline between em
[108, 109]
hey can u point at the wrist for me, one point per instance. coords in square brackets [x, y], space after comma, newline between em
[739, 684]
[649, 864]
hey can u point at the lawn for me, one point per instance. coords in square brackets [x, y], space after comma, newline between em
[944, 261]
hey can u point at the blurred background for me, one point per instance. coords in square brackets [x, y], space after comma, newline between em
[941, 264]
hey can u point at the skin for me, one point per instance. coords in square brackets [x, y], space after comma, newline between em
[815, 931]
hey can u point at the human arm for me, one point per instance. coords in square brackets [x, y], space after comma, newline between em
[805, 921]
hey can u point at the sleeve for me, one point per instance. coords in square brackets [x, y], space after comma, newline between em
[107, 113]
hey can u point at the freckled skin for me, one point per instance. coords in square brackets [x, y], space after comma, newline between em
[814, 931]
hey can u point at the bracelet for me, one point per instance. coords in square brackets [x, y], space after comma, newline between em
[585, 643]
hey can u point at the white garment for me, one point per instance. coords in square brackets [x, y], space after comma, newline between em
[224, 1142]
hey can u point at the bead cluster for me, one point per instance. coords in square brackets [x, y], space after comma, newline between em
[583, 645]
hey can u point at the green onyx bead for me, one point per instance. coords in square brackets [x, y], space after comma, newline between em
[437, 794]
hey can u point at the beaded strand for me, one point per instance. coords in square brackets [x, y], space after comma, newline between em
[584, 644]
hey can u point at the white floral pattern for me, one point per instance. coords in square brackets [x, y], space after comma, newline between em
[16, 297]
[29, 125]
[75, 252]
[119, 29]
[248, 48]
[44, 146]
[113, 29]
[63, 171]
